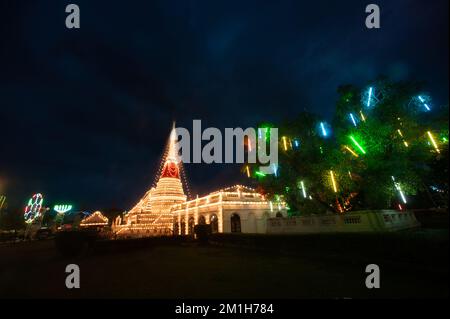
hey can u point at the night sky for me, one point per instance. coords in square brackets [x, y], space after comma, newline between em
[85, 114]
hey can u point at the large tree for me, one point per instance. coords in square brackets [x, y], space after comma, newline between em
[386, 144]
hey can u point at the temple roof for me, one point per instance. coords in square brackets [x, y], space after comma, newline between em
[237, 188]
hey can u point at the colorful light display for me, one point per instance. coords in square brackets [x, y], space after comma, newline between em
[62, 209]
[358, 145]
[33, 209]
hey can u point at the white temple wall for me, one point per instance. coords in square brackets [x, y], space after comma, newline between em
[261, 223]
[253, 221]
[364, 221]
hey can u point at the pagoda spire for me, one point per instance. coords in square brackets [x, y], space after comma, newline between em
[152, 216]
[171, 168]
[172, 155]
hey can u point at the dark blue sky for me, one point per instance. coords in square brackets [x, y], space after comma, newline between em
[84, 114]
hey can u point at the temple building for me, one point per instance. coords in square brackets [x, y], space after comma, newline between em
[237, 209]
[152, 214]
[164, 210]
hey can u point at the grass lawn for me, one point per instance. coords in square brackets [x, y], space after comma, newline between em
[413, 265]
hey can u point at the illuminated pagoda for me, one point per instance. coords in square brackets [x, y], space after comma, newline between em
[152, 214]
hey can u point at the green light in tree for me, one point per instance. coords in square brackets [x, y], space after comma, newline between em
[303, 188]
[400, 191]
[260, 174]
[266, 130]
[357, 144]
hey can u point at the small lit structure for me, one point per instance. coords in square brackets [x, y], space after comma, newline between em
[96, 219]
[237, 209]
